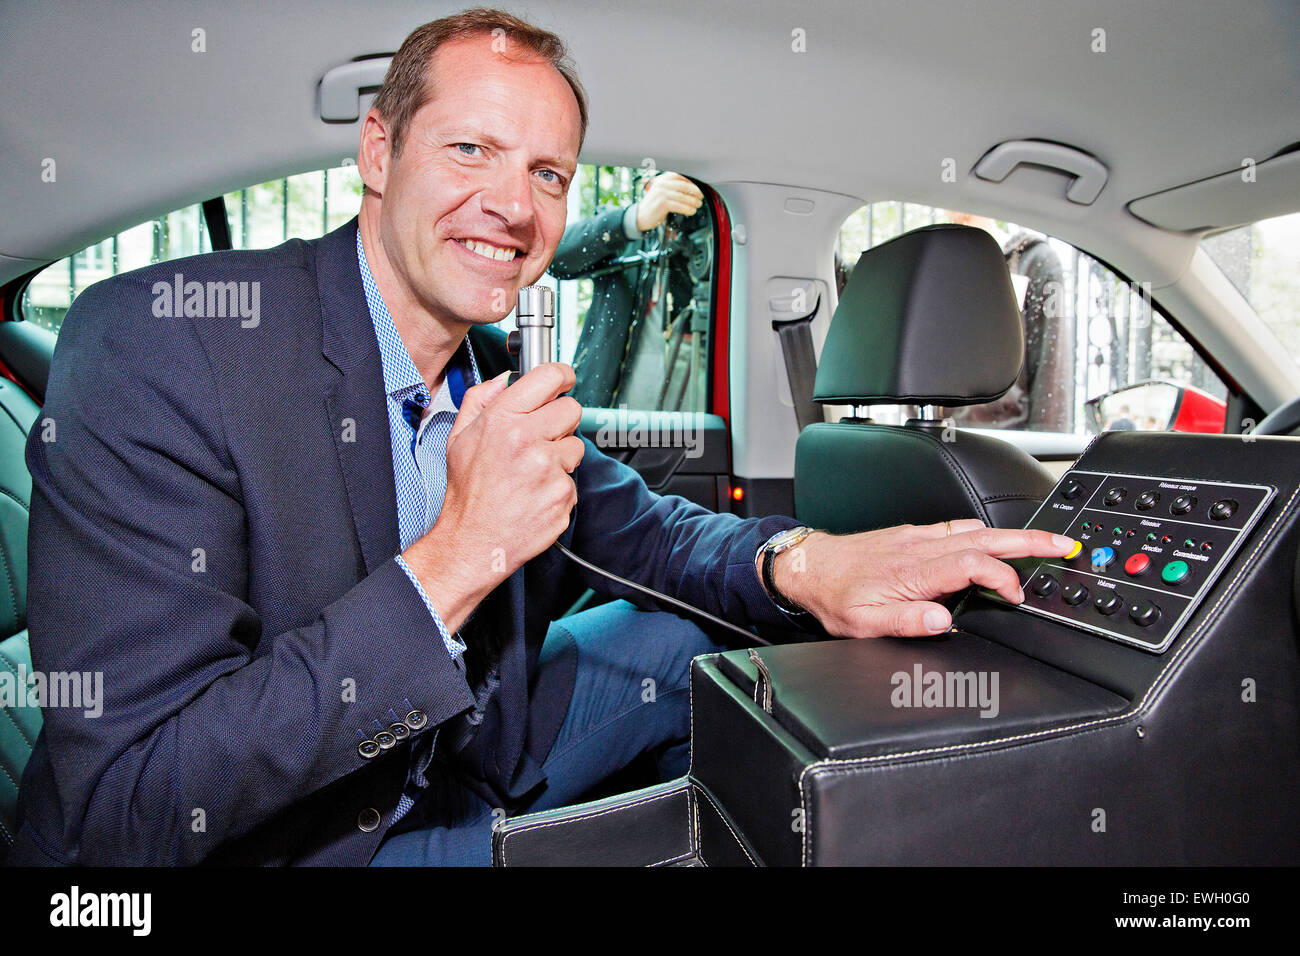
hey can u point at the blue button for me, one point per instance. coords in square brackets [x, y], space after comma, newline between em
[1102, 557]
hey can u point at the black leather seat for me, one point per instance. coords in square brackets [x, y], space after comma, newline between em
[929, 318]
[19, 725]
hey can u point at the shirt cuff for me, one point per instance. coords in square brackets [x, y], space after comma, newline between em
[629, 222]
[455, 646]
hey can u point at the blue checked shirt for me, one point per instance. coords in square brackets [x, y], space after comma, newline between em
[419, 443]
[419, 440]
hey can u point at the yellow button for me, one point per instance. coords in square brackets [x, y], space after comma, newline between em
[1074, 552]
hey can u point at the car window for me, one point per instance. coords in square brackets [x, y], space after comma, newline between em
[49, 295]
[633, 313]
[635, 307]
[300, 207]
[1262, 259]
[1097, 354]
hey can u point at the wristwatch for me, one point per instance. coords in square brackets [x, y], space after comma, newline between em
[778, 544]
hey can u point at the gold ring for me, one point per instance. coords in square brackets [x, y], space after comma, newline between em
[948, 525]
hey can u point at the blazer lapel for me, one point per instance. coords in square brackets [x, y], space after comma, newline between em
[356, 402]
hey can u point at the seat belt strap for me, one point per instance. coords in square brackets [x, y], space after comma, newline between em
[800, 364]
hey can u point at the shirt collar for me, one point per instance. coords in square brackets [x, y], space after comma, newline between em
[401, 377]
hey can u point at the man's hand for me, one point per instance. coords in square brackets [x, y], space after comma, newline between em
[509, 494]
[885, 582]
[667, 192]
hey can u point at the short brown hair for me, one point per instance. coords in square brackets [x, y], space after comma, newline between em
[406, 87]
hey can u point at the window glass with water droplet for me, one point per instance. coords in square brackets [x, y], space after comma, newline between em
[634, 280]
[1098, 355]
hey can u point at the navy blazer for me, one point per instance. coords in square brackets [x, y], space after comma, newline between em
[214, 526]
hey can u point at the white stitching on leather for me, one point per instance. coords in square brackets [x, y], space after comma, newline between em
[954, 466]
[695, 817]
[527, 827]
[832, 767]
[723, 818]
[10, 664]
[690, 688]
[672, 859]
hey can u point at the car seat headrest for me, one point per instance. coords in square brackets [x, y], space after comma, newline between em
[928, 318]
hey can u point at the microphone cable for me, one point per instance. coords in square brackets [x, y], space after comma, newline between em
[531, 342]
[749, 636]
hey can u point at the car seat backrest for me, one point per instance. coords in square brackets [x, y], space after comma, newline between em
[930, 319]
[19, 724]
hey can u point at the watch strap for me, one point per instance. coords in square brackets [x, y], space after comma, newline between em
[769, 582]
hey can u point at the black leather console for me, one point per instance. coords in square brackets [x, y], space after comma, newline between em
[651, 827]
[1020, 737]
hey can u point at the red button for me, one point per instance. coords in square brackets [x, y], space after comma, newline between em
[1136, 564]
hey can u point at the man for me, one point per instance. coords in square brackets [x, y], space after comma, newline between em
[613, 355]
[1042, 397]
[1123, 422]
[322, 634]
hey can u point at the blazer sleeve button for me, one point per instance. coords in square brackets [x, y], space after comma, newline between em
[368, 749]
[416, 719]
[399, 730]
[385, 740]
[368, 820]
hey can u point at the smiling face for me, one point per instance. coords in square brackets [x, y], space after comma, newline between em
[474, 206]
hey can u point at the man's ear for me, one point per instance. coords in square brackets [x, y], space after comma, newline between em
[374, 155]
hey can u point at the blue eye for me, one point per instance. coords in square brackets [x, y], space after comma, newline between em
[466, 148]
[554, 177]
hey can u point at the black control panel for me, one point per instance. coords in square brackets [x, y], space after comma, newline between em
[1148, 551]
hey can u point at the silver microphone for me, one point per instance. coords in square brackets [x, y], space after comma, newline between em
[535, 319]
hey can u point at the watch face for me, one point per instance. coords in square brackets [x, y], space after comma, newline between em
[786, 538]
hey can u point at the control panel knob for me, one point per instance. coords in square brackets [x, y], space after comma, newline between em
[1071, 489]
[1044, 585]
[1223, 510]
[1114, 497]
[1074, 593]
[1108, 602]
[1147, 500]
[1143, 613]
[1182, 504]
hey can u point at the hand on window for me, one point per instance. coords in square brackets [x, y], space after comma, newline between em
[667, 192]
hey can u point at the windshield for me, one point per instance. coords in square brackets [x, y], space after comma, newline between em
[1262, 260]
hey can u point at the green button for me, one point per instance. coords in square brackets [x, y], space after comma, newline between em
[1189, 543]
[1118, 532]
[1151, 535]
[1174, 572]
